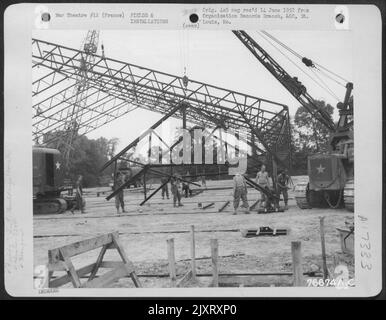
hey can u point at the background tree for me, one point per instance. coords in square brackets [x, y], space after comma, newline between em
[112, 147]
[87, 157]
[308, 136]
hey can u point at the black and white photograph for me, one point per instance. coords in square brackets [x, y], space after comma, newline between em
[189, 158]
[107, 160]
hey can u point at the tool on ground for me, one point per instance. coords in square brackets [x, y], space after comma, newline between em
[263, 231]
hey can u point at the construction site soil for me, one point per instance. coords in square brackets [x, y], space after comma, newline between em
[143, 232]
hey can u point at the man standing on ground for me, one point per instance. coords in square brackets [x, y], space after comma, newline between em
[165, 188]
[185, 186]
[262, 180]
[239, 191]
[176, 191]
[203, 181]
[79, 201]
[119, 201]
[282, 184]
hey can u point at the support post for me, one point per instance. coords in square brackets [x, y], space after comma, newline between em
[325, 270]
[144, 185]
[296, 249]
[193, 252]
[115, 168]
[183, 110]
[171, 259]
[149, 150]
[214, 250]
[115, 175]
[274, 174]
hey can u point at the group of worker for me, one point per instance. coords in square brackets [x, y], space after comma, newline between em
[180, 187]
[79, 203]
[265, 182]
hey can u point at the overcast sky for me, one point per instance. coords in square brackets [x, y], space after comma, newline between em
[217, 58]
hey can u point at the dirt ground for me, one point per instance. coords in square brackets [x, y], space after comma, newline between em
[144, 230]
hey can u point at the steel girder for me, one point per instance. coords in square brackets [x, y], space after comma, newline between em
[115, 88]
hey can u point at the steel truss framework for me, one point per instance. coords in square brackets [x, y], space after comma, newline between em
[116, 88]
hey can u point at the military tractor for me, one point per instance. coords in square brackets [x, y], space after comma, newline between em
[48, 182]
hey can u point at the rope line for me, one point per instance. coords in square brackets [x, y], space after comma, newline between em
[301, 57]
[331, 78]
[326, 87]
[294, 63]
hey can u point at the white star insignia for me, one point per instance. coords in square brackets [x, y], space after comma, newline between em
[320, 169]
[57, 164]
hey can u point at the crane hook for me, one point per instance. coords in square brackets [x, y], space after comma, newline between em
[185, 79]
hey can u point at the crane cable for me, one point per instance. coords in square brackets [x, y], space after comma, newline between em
[315, 64]
[295, 64]
[327, 88]
[333, 73]
[331, 78]
[184, 50]
[282, 44]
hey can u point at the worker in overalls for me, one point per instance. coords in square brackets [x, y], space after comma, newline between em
[165, 188]
[119, 200]
[239, 191]
[185, 186]
[203, 181]
[176, 191]
[79, 201]
[282, 185]
[262, 179]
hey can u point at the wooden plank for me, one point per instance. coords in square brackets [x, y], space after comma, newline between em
[131, 272]
[224, 206]
[263, 231]
[296, 250]
[193, 252]
[120, 249]
[57, 282]
[158, 189]
[57, 266]
[71, 270]
[250, 275]
[208, 206]
[214, 250]
[50, 275]
[98, 262]
[80, 247]
[107, 278]
[127, 262]
[254, 204]
[182, 282]
[171, 260]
